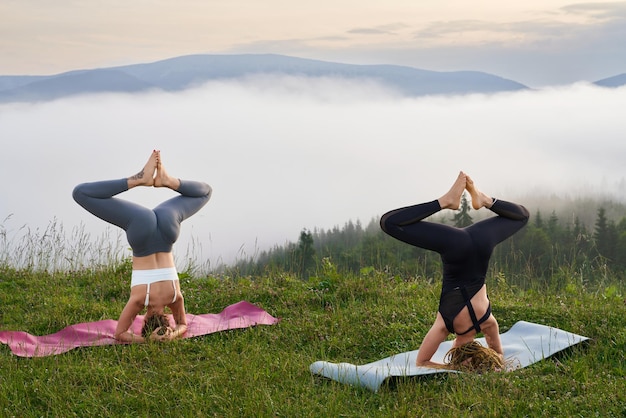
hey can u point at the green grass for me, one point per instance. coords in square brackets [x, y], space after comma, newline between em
[264, 371]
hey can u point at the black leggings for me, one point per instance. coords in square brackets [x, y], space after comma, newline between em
[148, 230]
[465, 252]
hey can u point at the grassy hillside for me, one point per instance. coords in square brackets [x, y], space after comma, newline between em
[263, 371]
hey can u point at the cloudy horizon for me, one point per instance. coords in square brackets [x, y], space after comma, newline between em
[283, 154]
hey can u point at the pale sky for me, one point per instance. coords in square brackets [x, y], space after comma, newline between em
[534, 42]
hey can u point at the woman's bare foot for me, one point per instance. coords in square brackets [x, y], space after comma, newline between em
[162, 178]
[146, 176]
[452, 199]
[479, 199]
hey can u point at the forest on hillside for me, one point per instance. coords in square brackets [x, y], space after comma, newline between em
[556, 247]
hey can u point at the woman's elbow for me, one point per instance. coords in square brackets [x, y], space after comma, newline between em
[119, 336]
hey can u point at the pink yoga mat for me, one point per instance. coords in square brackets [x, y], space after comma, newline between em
[239, 315]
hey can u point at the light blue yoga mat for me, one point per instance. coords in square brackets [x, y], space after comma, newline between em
[524, 344]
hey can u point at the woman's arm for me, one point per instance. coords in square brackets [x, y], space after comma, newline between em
[491, 331]
[178, 312]
[130, 311]
[435, 336]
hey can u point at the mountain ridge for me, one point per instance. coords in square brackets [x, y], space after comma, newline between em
[179, 73]
[183, 72]
[615, 81]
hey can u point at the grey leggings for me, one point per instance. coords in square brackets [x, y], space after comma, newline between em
[148, 230]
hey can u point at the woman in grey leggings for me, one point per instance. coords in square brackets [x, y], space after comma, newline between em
[151, 234]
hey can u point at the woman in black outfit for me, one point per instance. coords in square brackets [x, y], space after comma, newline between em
[464, 308]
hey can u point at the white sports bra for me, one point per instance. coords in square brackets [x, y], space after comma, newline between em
[152, 276]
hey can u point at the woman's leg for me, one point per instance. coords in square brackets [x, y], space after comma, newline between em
[406, 224]
[171, 213]
[490, 232]
[97, 197]
[193, 196]
[428, 235]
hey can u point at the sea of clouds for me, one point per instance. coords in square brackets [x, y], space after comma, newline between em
[283, 154]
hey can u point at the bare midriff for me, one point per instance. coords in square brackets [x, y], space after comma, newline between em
[154, 261]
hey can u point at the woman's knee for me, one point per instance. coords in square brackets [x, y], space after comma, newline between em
[385, 225]
[78, 193]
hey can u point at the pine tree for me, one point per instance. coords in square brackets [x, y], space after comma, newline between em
[538, 220]
[305, 253]
[601, 233]
[462, 218]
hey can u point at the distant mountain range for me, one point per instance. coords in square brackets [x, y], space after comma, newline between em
[616, 81]
[192, 70]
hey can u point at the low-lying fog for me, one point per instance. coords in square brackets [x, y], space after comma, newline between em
[287, 154]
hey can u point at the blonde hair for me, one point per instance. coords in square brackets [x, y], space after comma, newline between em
[154, 322]
[474, 357]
